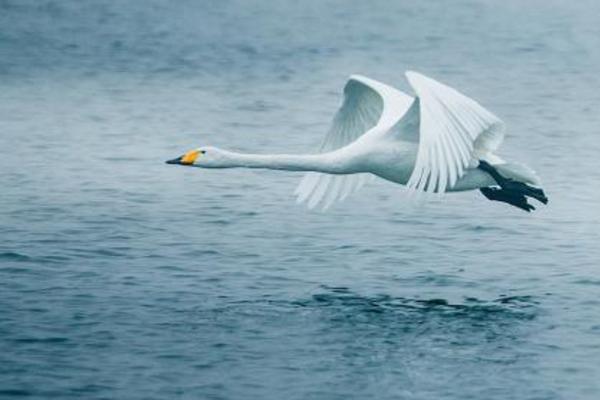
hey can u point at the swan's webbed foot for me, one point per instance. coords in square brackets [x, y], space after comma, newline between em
[511, 191]
[513, 198]
[525, 189]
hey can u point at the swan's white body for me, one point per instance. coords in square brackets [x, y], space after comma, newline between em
[432, 142]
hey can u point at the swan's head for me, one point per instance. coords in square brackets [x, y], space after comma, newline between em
[204, 157]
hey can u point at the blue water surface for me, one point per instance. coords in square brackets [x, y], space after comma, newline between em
[124, 278]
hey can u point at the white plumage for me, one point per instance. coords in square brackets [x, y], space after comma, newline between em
[368, 105]
[453, 132]
[432, 142]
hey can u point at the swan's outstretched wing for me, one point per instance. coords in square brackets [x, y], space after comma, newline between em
[454, 131]
[368, 105]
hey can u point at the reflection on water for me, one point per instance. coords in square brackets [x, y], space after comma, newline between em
[342, 299]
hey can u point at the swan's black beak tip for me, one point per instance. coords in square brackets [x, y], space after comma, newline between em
[175, 161]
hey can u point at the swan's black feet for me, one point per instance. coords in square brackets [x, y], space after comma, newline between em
[525, 189]
[516, 199]
[511, 191]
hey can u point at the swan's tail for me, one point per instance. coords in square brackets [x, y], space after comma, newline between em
[519, 172]
[515, 181]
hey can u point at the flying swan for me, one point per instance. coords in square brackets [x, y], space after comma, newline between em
[438, 141]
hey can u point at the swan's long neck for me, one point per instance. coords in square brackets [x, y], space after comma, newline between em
[332, 163]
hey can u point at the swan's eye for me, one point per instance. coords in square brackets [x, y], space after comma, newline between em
[202, 151]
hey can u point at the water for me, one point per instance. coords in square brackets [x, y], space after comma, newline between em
[122, 277]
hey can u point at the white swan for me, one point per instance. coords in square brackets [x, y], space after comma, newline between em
[438, 141]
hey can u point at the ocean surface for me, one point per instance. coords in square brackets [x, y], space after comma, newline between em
[125, 278]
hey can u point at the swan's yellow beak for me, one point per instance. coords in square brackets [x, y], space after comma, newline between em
[187, 159]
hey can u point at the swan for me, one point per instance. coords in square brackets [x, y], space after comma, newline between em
[437, 141]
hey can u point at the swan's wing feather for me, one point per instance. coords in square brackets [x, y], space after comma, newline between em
[368, 105]
[454, 131]
[359, 112]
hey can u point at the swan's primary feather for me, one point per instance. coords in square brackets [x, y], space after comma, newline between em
[368, 106]
[454, 131]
